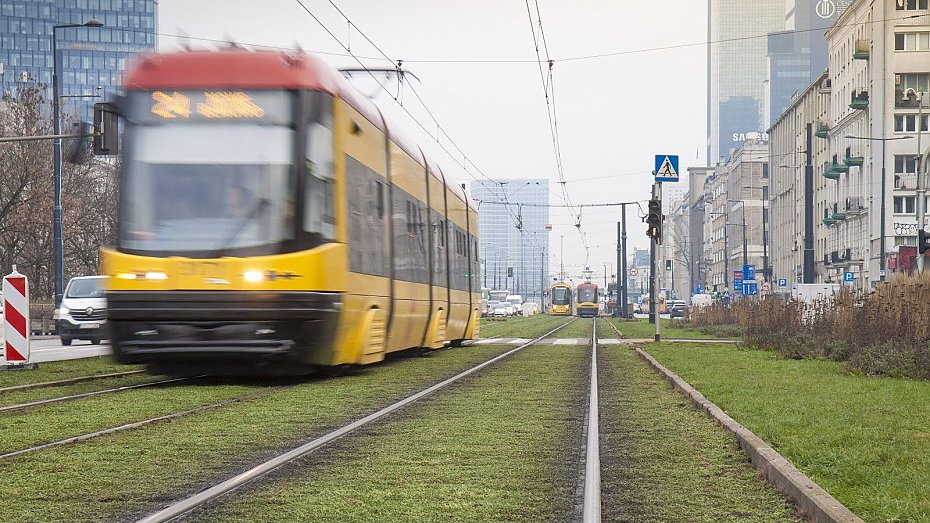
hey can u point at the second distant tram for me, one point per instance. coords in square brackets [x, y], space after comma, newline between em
[586, 300]
[560, 299]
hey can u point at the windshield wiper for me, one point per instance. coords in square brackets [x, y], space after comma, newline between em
[256, 211]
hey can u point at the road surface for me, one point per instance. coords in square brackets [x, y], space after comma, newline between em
[46, 348]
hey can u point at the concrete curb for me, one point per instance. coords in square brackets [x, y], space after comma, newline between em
[812, 501]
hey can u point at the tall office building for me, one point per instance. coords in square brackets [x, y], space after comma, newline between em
[798, 55]
[737, 69]
[513, 235]
[90, 58]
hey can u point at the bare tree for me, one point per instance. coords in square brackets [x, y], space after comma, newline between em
[89, 194]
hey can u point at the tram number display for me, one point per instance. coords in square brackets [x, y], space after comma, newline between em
[176, 106]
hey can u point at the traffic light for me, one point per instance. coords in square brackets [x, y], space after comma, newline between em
[923, 241]
[668, 265]
[654, 220]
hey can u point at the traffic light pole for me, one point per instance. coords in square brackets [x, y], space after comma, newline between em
[653, 273]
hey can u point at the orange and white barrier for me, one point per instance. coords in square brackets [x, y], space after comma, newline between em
[16, 328]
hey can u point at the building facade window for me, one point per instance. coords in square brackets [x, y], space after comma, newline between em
[916, 41]
[905, 164]
[911, 5]
[907, 123]
[905, 204]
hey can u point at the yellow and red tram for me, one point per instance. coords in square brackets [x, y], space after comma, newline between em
[272, 221]
[586, 300]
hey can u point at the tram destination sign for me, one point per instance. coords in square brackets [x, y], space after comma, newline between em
[165, 106]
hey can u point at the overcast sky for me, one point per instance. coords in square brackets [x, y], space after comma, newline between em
[614, 112]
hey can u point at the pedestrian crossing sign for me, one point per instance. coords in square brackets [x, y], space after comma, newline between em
[666, 168]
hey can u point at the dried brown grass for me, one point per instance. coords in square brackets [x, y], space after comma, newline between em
[885, 332]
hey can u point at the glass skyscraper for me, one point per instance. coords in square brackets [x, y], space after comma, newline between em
[737, 70]
[503, 245]
[91, 58]
[798, 55]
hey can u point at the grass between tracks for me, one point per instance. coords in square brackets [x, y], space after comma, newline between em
[640, 328]
[495, 448]
[865, 440]
[662, 460]
[62, 370]
[125, 474]
[520, 326]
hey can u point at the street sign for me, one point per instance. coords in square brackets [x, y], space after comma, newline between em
[666, 168]
[881, 273]
[634, 271]
[699, 290]
[749, 272]
[750, 288]
[737, 275]
[738, 284]
[849, 276]
[766, 286]
[783, 282]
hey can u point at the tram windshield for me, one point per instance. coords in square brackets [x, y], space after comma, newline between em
[561, 296]
[587, 294]
[202, 178]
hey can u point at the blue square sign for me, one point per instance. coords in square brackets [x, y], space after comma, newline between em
[783, 282]
[849, 276]
[749, 272]
[666, 168]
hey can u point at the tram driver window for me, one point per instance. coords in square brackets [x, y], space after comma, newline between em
[318, 201]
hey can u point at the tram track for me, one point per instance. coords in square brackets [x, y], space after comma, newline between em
[591, 511]
[142, 423]
[203, 498]
[69, 381]
[72, 397]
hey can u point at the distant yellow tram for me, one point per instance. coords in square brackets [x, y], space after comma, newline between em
[560, 299]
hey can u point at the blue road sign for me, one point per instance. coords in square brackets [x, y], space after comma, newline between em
[666, 168]
[783, 282]
[849, 276]
[749, 272]
[750, 289]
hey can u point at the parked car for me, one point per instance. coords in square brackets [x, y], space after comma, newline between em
[501, 309]
[677, 308]
[83, 311]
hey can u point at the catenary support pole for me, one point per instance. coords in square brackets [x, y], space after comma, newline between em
[625, 300]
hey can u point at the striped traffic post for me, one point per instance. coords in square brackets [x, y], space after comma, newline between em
[15, 319]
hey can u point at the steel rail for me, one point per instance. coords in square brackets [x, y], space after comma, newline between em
[69, 381]
[614, 327]
[183, 506]
[592, 467]
[37, 403]
[142, 423]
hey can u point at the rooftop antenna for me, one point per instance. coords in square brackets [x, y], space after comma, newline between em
[184, 40]
[232, 44]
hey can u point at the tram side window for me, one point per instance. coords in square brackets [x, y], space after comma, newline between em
[439, 247]
[319, 208]
[365, 195]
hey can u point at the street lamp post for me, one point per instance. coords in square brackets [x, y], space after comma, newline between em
[881, 261]
[56, 117]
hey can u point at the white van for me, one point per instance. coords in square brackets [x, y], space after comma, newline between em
[83, 311]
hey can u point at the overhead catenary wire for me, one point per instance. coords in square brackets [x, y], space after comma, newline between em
[441, 131]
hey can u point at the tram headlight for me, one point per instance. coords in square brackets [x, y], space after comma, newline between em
[156, 276]
[253, 276]
[126, 276]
